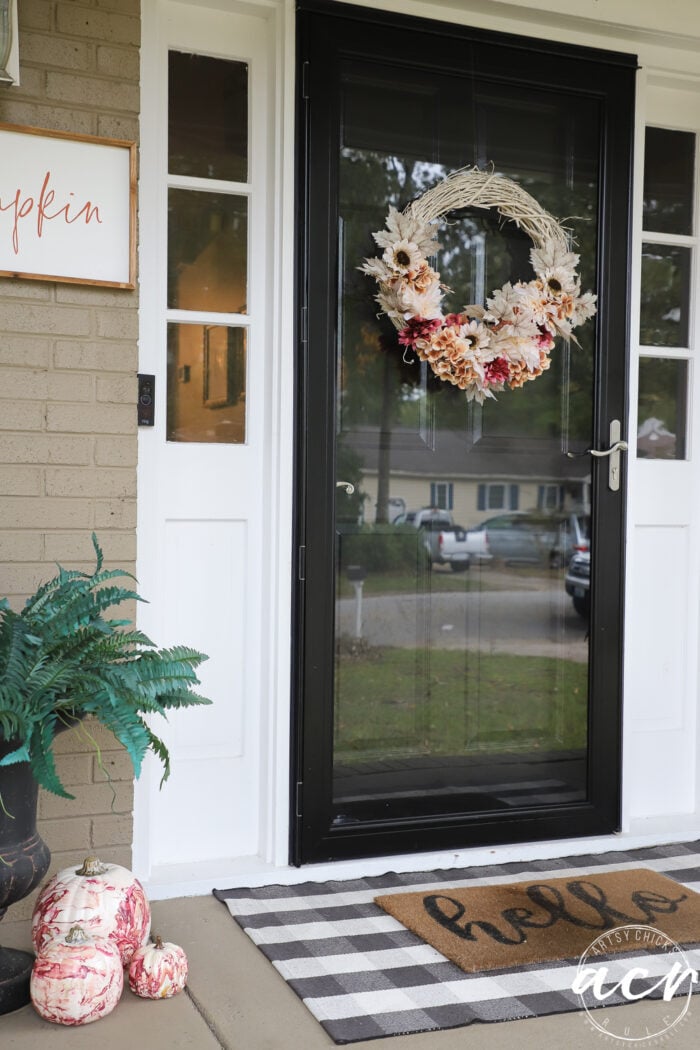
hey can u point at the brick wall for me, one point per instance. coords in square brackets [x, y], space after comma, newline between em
[68, 359]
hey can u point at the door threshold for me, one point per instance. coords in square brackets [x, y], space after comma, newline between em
[200, 878]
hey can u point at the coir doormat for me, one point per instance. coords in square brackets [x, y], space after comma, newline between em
[517, 924]
[364, 975]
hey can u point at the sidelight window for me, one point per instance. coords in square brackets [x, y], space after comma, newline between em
[208, 258]
[668, 258]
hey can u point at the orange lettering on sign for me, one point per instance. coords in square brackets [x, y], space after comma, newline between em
[21, 207]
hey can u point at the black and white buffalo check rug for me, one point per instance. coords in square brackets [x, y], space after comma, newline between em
[364, 976]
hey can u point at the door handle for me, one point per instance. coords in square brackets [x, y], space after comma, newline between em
[348, 486]
[617, 445]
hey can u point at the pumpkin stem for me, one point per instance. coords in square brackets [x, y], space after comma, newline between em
[159, 942]
[76, 935]
[92, 866]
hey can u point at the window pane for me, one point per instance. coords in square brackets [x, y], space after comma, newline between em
[207, 251]
[663, 391]
[665, 295]
[207, 117]
[206, 383]
[496, 497]
[669, 163]
[441, 495]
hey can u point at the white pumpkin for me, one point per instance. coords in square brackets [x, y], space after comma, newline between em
[158, 971]
[76, 979]
[107, 900]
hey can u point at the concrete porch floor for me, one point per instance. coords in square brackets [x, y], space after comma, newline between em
[235, 1000]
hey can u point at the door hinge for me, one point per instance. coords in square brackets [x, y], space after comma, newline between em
[302, 563]
[305, 80]
[297, 801]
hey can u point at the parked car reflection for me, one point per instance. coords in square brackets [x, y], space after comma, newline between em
[530, 537]
[514, 537]
[573, 536]
[577, 583]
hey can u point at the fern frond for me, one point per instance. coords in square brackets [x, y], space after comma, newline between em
[131, 731]
[160, 751]
[99, 557]
[42, 760]
[20, 754]
[62, 659]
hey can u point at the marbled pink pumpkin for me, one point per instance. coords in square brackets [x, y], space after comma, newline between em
[76, 979]
[105, 899]
[158, 971]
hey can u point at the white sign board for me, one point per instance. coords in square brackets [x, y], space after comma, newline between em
[67, 207]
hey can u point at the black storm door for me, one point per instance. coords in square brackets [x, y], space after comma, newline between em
[443, 704]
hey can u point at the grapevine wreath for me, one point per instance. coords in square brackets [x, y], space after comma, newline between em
[487, 348]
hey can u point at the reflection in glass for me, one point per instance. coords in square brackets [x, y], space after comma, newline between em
[663, 397]
[665, 295]
[549, 146]
[207, 251]
[669, 181]
[207, 117]
[461, 666]
[206, 383]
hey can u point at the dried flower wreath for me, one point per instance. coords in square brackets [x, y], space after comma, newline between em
[481, 349]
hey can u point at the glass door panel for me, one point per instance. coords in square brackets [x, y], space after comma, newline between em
[464, 677]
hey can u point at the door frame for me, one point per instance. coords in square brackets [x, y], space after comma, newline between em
[601, 814]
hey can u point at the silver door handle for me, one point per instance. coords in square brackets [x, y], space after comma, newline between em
[617, 445]
[349, 488]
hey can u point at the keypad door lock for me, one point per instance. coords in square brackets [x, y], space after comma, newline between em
[146, 400]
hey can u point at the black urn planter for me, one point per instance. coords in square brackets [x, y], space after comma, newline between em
[24, 860]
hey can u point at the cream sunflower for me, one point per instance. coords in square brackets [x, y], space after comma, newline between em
[403, 256]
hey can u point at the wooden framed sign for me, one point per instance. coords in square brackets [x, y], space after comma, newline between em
[67, 207]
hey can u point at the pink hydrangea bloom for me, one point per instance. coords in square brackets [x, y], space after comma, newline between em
[418, 328]
[496, 371]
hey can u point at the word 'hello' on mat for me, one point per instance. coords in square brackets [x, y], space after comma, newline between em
[500, 926]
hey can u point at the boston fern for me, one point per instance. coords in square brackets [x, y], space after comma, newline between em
[61, 660]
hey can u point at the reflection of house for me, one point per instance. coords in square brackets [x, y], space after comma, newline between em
[474, 481]
[654, 441]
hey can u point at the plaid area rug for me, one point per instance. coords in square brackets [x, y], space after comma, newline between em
[364, 976]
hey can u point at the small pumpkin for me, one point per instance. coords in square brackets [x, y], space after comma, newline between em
[158, 970]
[76, 979]
[107, 900]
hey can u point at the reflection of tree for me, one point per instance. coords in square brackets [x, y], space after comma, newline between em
[665, 284]
[669, 159]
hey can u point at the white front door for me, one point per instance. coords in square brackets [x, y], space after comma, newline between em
[205, 335]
